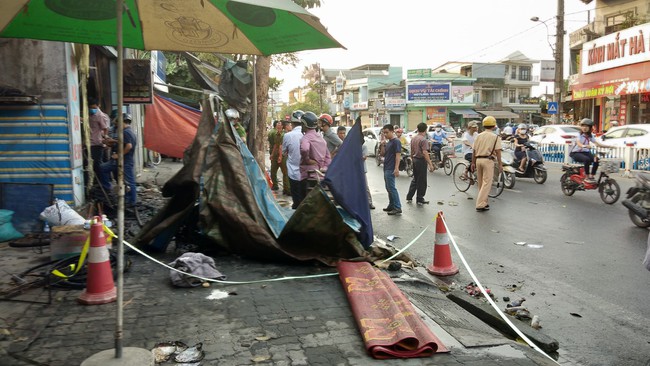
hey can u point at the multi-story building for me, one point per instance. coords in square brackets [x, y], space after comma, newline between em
[370, 91]
[610, 64]
[502, 89]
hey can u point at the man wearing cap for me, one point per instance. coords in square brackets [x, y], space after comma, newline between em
[468, 140]
[110, 167]
[291, 148]
[487, 152]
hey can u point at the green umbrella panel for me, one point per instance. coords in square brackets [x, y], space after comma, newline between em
[222, 26]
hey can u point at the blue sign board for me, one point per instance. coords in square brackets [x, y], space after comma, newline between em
[552, 108]
[428, 93]
[161, 66]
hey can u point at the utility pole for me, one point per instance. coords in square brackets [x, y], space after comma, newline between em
[320, 89]
[559, 60]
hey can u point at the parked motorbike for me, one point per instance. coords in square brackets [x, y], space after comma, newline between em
[574, 179]
[638, 201]
[534, 167]
[406, 161]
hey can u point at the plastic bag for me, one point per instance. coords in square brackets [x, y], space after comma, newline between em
[61, 214]
[7, 230]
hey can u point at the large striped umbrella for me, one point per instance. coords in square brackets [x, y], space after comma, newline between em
[253, 27]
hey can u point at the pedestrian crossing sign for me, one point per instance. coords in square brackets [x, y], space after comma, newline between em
[552, 108]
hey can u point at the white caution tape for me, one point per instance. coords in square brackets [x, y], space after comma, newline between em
[406, 247]
[489, 299]
[226, 282]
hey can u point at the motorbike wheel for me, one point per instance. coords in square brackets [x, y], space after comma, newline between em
[377, 156]
[564, 182]
[156, 158]
[635, 219]
[509, 180]
[449, 166]
[461, 177]
[609, 191]
[497, 185]
[409, 167]
[540, 176]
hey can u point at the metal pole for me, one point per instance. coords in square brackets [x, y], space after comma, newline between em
[120, 183]
[559, 60]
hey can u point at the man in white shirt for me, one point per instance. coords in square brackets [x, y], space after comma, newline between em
[291, 147]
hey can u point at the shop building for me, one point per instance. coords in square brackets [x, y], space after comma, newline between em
[440, 97]
[610, 64]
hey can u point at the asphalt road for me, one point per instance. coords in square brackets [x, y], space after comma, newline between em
[590, 263]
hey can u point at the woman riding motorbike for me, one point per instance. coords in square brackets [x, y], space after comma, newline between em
[581, 151]
[521, 138]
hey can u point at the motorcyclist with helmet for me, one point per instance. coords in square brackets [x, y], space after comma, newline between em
[314, 155]
[399, 132]
[437, 138]
[520, 140]
[233, 116]
[333, 141]
[581, 150]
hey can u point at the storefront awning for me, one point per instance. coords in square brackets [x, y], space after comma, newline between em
[527, 109]
[466, 112]
[499, 114]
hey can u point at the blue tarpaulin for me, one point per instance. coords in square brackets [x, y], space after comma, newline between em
[346, 180]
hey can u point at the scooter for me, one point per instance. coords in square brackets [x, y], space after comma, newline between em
[534, 167]
[574, 179]
[638, 201]
[406, 161]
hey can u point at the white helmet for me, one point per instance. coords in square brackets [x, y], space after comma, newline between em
[232, 113]
[522, 126]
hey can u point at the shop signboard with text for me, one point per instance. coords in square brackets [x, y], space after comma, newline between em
[395, 99]
[428, 93]
[626, 47]
[612, 89]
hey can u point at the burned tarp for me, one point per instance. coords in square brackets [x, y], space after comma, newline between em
[238, 212]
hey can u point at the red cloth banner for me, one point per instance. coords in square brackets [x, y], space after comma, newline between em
[169, 127]
[388, 322]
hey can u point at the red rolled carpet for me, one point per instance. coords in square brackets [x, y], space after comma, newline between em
[388, 323]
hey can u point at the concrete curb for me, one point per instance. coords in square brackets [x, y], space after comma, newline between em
[486, 313]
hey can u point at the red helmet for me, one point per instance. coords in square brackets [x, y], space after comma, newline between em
[326, 118]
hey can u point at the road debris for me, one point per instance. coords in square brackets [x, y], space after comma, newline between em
[164, 350]
[192, 354]
[392, 237]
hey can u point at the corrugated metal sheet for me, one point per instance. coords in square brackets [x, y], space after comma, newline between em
[35, 146]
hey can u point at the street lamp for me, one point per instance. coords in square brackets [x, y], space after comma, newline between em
[558, 55]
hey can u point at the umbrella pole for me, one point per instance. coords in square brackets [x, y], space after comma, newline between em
[120, 183]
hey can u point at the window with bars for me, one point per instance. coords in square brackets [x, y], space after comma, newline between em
[512, 96]
[513, 72]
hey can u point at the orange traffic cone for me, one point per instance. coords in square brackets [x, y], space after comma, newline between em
[442, 264]
[100, 288]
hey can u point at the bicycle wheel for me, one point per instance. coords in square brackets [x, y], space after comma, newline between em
[448, 165]
[498, 183]
[461, 177]
[156, 158]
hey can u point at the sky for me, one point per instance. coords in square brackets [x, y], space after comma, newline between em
[421, 34]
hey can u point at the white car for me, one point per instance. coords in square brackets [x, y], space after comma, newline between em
[555, 134]
[371, 137]
[638, 134]
[431, 128]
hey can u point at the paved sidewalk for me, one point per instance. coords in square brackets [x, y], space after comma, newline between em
[294, 322]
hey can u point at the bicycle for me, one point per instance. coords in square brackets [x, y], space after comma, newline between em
[156, 157]
[447, 164]
[464, 178]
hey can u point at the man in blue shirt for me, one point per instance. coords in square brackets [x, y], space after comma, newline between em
[392, 157]
[110, 167]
